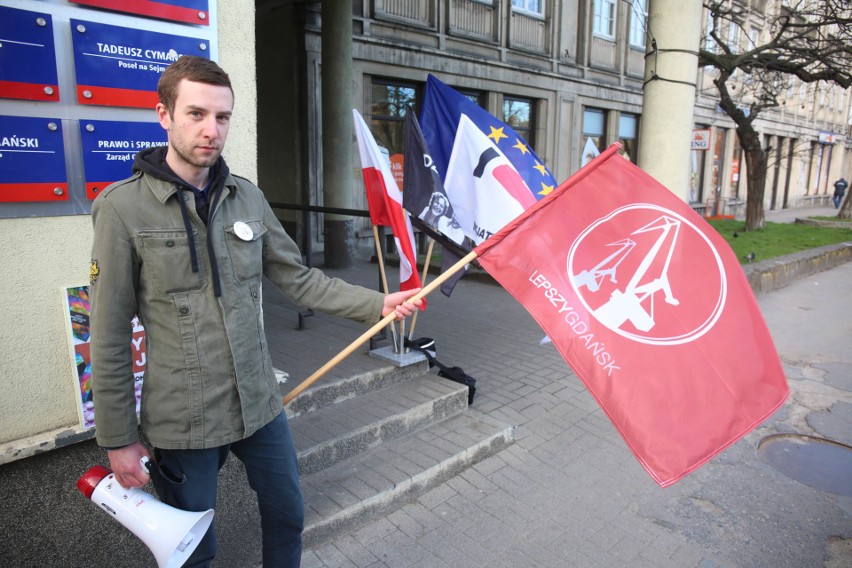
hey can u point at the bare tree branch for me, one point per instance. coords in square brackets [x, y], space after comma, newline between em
[809, 40]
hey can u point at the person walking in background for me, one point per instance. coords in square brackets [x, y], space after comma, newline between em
[839, 190]
[184, 244]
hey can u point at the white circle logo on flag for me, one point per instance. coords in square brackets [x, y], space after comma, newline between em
[648, 274]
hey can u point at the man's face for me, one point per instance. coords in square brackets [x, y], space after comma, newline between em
[199, 125]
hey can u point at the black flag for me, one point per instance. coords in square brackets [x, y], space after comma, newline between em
[424, 198]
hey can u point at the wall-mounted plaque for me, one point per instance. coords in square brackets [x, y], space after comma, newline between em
[118, 66]
[109, 148]
[27, 56]
[32, 160]
[184, 11]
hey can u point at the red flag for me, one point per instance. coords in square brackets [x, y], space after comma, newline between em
[651, 309]
[385, 201]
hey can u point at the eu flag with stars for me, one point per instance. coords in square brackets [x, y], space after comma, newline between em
[439, 119]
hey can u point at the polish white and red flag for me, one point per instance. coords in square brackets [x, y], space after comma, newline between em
[384, 199]
[651, 309]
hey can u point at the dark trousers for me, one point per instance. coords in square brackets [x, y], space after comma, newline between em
[188, 479]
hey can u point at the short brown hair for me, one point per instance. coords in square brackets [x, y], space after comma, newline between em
[192, 68]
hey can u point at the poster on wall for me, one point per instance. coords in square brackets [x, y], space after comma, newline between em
[183, 11]
[118, 66]
[32, 160]
[109, 148]
[27, 56]
[78, 309]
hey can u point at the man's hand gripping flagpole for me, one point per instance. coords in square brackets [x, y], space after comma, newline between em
[426, 290]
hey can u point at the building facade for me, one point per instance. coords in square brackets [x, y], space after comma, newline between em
[565, 74]
[568, 75]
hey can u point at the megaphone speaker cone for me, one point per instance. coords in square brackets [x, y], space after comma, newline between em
[171, 534]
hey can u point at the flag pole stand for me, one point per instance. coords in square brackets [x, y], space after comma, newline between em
[426, 264]
[365, 337]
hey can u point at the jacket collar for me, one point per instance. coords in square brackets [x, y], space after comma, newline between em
[164, 189]
[163, 181]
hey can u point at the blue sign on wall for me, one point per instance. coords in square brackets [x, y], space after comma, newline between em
[109, 148]
[185, 11]
[118, 66]
[27, 56]
[32, 160]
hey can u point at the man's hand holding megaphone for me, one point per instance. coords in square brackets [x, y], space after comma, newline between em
[126, 464]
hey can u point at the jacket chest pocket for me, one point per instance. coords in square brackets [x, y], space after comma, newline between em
[167, 261]
[245, 247]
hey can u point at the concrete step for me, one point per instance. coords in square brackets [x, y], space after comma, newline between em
[347, 494]
[325, 393]
[339, 431]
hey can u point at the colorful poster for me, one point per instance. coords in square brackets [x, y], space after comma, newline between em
[118, 66]
[27, 57]
[184, 11]
[77, 301]
[32, 160]
[110, 147]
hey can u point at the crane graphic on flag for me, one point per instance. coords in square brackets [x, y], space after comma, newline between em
[630, 303]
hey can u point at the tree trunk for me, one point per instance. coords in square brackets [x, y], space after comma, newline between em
[846, 206]
[756, 160]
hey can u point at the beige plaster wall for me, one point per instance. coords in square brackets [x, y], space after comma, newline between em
[41, 256]
[237, 56]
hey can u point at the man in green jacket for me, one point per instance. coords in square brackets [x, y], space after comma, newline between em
[184, 244]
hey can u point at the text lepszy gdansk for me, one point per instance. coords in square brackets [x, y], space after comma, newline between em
[573, 319]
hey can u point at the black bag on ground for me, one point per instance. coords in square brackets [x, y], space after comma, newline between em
[426, 345]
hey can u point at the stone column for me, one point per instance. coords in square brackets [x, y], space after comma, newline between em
[667, 121]
[337, 182]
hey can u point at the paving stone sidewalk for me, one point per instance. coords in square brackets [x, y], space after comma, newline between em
[569, 493]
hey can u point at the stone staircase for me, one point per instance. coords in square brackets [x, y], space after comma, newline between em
[371, 442]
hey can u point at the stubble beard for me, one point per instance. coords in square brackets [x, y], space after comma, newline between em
[187, 157]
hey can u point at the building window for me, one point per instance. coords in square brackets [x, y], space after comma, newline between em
[530, 6]
[518, 113]
[603, 18]
[628, 135]
[753, 37]
[737, 161]
[709, 42]
[390, 99]
[594, 134]
[638, 16]
[476, 97]
[720, 135]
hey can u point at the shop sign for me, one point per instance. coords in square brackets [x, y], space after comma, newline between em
[32, 160]
[110, 147]
[827, 138]
[27, 56]
[118, 66]
[700, 140]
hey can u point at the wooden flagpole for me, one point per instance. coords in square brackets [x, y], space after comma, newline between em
[382, 273]
[425, 272]
[377, 328]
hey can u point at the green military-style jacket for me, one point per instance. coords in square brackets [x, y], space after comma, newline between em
[209, 378]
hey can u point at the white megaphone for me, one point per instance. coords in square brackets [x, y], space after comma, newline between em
[171, 534]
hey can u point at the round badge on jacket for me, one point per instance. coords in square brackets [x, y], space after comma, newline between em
[243, 231]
